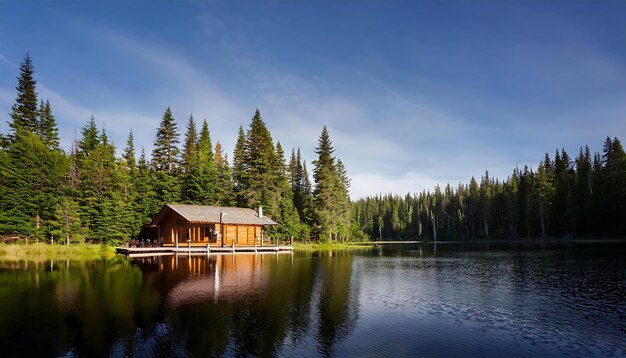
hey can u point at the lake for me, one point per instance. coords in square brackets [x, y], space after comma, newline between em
[452, 300]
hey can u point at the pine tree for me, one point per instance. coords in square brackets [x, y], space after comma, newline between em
[190, 148]
[165, 161]
[301, 187]
[613, 186]
[47, 126]
[131, 218]
[328, 194]
[31, 178]
[25, 114]
[582, 192]
[224, 185]
[473, 205]
[101, 199]
[129, 152]
[305, 183]
[292, 169]
[146, 199]
[31, 169]
[343, 207]
[165, 153]
[239, 171]
[485, 203]
[544, 194]
[286, 213]
[562, 214]
[68, 209]
[512, 202]
[258, 186]
[89, 140]
[199, 185]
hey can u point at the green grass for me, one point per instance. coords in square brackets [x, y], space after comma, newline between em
[40, 251]
[297, 246]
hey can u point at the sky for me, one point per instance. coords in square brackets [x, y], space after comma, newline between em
[414, 93]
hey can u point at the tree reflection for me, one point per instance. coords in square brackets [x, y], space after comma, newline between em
[337, 306]
[241, 305]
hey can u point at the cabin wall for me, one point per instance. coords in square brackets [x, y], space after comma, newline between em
[168, 228]
[242, 234]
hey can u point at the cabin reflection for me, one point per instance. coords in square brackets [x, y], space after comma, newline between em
[196, 278]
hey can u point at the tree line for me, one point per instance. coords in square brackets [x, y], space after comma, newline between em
[90, 194]
[585, 196]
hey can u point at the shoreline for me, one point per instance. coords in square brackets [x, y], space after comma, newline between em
[42, 250]
[312, 247]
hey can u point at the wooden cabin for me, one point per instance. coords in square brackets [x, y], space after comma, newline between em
[199, 225]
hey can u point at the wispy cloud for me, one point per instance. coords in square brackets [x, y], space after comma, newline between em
[3, 59]
[191, 90]
[73, 116]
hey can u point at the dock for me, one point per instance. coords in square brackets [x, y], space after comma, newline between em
[146, 251]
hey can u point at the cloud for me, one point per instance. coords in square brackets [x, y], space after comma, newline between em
[72, 116]
[6, 60]
[372, 183]
[189, 89]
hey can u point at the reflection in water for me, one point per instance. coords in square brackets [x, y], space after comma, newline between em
[405, 301]
[338, 304]
[177, 305]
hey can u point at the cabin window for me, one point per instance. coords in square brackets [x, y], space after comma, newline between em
[208, 234]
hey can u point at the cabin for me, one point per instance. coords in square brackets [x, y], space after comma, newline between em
[200, 225]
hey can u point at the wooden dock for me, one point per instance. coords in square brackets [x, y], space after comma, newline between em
[146, 251]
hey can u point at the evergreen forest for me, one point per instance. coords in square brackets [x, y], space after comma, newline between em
[585, 196]
[88, 194]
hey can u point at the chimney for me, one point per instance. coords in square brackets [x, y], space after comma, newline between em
[260, 212]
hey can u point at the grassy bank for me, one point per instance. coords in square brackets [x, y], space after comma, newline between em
[45, 251]
[328, 246]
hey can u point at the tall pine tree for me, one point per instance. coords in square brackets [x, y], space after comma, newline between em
[47, 126]
[199, 185]
[25, 114]
[165, 159]
[329, 193]
[224, 185]
[190, 148]
[259, 185]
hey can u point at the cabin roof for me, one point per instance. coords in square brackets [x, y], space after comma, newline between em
[203, 214]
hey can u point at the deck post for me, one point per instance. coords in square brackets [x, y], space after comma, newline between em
[176, 237]
[222, 226]
[159, 238]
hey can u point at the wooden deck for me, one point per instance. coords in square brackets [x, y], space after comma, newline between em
[198, 249]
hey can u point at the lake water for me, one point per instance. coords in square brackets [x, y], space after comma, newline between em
[402, 301]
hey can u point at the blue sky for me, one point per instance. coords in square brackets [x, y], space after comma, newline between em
[414, 93]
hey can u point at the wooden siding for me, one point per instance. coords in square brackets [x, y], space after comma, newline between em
[242, 234]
